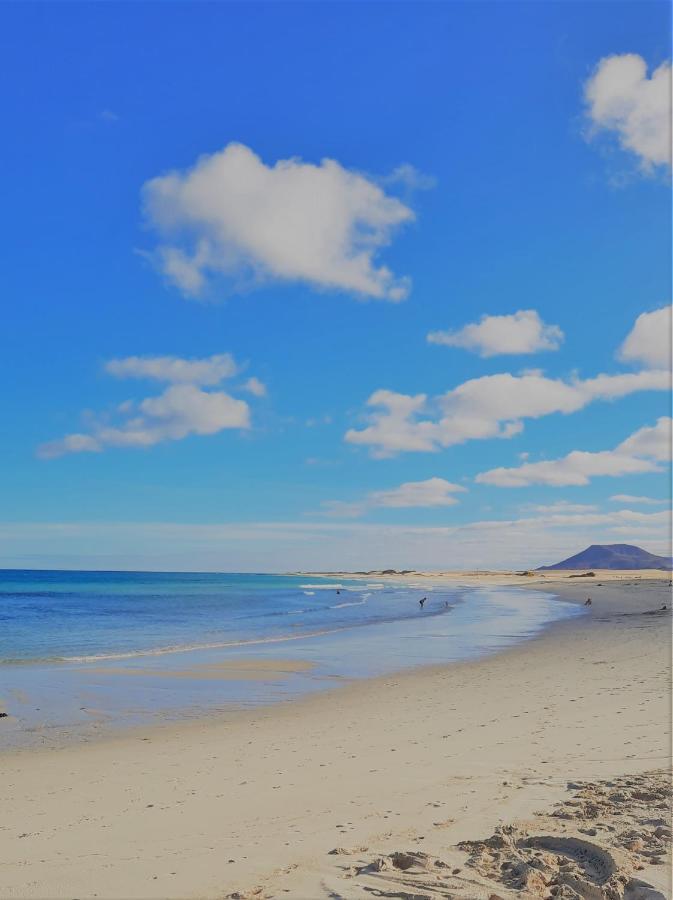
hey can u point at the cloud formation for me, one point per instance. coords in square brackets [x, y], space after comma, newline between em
[231, 214]
[641, 452]
[182, 409]
[433, 492]
[629, 498]
[207, 371]
[623, 101]
[561, 506]
[494, 406]
[649, 341]
[329, 546]
[519, 333]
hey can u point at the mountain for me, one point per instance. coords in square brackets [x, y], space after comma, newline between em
[613, 556]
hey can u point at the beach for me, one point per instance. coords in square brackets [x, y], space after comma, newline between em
[536, 771]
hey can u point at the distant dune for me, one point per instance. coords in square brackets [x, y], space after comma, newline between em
[613, 556]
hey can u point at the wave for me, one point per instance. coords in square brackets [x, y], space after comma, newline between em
[351, 603]
[322, 587]
[309, 593]
[163, 651]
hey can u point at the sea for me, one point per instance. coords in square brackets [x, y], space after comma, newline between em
[85, 652]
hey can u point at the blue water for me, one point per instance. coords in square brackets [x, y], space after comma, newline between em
[89, 650]
[83, 615]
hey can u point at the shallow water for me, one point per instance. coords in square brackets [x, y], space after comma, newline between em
[84, 652]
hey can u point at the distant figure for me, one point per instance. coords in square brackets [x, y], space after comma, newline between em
[421, 603]
[338, 592]
[446, 604]
[588, 601]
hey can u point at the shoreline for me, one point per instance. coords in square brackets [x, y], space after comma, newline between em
[563, 588]
[417, 762]
[77, 700]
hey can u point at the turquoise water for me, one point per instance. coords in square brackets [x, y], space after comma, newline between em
[84, 651]
[80, 616]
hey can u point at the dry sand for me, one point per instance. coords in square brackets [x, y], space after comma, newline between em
[543, 771]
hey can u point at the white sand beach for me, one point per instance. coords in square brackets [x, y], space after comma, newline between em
[551, 760]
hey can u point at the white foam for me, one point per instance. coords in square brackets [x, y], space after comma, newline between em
[322, 587]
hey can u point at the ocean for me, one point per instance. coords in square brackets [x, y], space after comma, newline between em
[84, 651]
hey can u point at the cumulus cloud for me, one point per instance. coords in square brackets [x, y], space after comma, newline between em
[433, 492]
[629, 498]
[649, 341]
[641, 452]
[182, 409]
[230, 213]
[207, 371]
[494, 406]
[519, 333]
[623, 101]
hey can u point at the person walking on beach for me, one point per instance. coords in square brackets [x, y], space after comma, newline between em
[421, 603]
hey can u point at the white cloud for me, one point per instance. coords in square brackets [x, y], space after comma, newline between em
[182, 409]
[641, 452]
[562, 506]
[649, 341]
[654, 441]
[522, 332]
[433, 492]
[493, 406]
[71, 443]
[230, 213]
[255, 387]
[207, 371]
[622, 100]
[280, 546]
[629, 498]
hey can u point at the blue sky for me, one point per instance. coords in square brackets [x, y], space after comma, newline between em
[488, 158]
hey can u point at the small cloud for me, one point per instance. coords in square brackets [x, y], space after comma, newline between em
[107, 115]
[205, 371]
[624, 102]
[434, 492]
[71, 443]
[410, 177]
[519, 333]
[649, 341]
[645, 501]
[562, 506]
[255, 387]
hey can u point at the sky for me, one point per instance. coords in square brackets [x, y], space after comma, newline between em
[334, 285]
